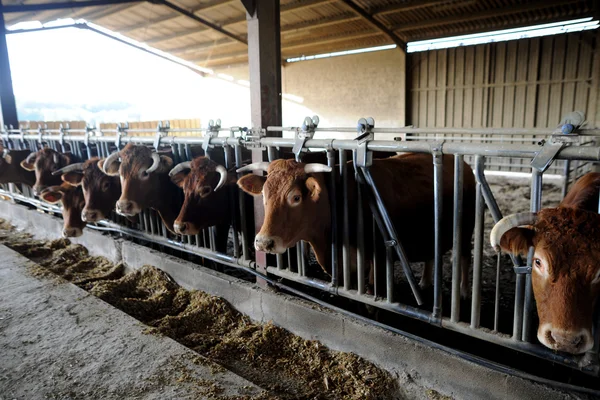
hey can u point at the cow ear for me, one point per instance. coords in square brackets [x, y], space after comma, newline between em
[252, 184]
[29, 166]
[517, 240]
[166, 164]
[8, 159]
[314, 188]
[179, 177]
[113, 169]
[52, 195]
[72, 178]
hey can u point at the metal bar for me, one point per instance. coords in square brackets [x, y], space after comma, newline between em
[241, 203]
[438, 215]
[478, 249]
[566, 170]
[335, 271]
[345, 221]
[389, 274]
[497, 294]
[22, 8]
[8, 105]
[360, 241]
[457, 239]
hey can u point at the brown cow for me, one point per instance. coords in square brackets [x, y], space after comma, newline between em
[565, 274]
[100, 191]
[72, 204]
[297, 206]
[44, 162]
[10, 168]
[145, 182]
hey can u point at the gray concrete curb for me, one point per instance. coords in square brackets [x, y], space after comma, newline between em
[416, 365]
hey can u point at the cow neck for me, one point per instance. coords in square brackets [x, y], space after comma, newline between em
[168, 202]
[20, 175]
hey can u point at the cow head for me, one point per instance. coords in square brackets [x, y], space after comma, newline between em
[296, 204]
[72, 204]
[206, 203]
[44, 162]
[100, 191]
[141, 171]
[10, 169]
[565, 273]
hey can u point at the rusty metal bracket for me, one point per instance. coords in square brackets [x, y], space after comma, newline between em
[211, 132]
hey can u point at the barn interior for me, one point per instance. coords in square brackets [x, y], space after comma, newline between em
[418, 87]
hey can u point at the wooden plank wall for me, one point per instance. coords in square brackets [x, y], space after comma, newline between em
[178, 123]
[529, 83]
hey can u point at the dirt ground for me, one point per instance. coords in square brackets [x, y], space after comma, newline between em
[287, 366]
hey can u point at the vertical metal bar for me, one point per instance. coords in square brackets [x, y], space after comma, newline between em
[346, 223]
[8, 105]
[212, 237]
[478, 249]
[152, 222]
[389, 274]
[335, 272]
[300, 258]
[233, 206]
[536, 203]
[241, 204]
[360, 241]
[438, 211]
[567, 168]
[497, 297]
[457, 240]
[376, 238]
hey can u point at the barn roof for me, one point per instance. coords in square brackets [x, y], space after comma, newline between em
[212, 33]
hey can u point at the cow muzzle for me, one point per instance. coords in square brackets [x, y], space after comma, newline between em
[269, 244]
[38, 189]
[127, 208]
[574, 342]
[72, 232]
[185, 228]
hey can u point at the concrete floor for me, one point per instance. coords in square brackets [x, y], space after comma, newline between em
[59, 342]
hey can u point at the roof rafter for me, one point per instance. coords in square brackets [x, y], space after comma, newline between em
[498, 12]
[375, 23]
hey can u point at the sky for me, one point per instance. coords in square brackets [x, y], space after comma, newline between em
[78, 71]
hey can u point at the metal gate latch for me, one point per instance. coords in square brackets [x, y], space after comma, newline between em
[362, 157]
[303, 134]
[211, 132]
[161, 131]
[565, 135]
[251, 137]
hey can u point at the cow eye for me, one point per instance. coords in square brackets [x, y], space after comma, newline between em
[205, 191]
[297, 198]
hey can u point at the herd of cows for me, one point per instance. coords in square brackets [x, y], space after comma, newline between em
[197, 194]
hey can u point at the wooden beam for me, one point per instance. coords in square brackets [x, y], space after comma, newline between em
[60, 5]
[407, 6]
[197, 47]
[497, 12]
[193, 31]
[375, 23]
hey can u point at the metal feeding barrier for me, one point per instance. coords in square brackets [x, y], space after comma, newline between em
[295, 266]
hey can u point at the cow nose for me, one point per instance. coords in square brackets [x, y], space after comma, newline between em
[124, 206]
[574, 342]
[181, 227]
[89, 216]
[71, 232]
[264, 243]
[566, 338]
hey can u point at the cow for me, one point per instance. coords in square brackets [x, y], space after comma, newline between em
[44, 162]
[297, 207]
[566, 270]
[10, 169]
[145, 183]
[100, 191]
[72, 203]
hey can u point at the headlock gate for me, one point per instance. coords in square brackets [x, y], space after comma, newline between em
[391, 285]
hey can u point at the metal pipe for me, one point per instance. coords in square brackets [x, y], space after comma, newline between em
[477, 249]
[335, 272]
[241, 202]
[566, 170]
[497, 294]
[389, 275]
[346, 221]
[457, 239]
[438, 215]
[360, 241]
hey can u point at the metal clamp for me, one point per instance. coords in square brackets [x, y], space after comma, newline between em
[40, 134]
[119, 133]
[525, 269]
[437, 151]
[61, 135]
[251, 137]
[88, 132]
[211, 132]
[362, 157]
[306, 132]
[161, 131]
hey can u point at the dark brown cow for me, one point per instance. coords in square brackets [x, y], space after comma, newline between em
[145, 182]
[100, 191]
[72, 204]
[44, 162]
[297, 206]
[10, 167]
[566, 268]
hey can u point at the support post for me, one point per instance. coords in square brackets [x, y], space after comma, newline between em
[7, 95]
[264, 59]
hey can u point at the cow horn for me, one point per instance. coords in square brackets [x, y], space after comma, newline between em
[314, 168]
[257, 166]
[223, 172]
[180, 167]
[69, 168]
[155, 163]
[29, 160]
[109, 160]
[509, 222]
[55, 158]
[4, 153]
